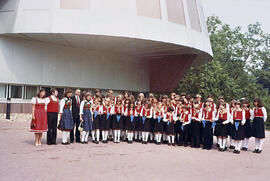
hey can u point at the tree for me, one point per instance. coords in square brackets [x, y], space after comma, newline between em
[240, 66]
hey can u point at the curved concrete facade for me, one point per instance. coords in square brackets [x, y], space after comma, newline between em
[132, 45]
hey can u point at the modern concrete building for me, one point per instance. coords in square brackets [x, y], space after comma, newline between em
[135, 45]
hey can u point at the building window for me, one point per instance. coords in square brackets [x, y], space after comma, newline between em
[176, 12]
[16, 91]
[149, 8]
[194, 15]
[30, 91]
[3, 91]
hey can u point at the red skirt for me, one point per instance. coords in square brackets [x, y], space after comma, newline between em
[41, 120]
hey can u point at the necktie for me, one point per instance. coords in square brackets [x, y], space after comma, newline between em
[78, 102]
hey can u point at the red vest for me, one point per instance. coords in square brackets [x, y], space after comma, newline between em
[195, 114]
[104, 109]
[185, 117]
[247, 113]
[131, 112]
[237, 115]
[118, 110]
[208, 115]
[258, 112]
[223, 116]
[53, 106]
[169, 117]
[158, 113]
[146, 112]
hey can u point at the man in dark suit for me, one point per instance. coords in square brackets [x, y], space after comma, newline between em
[76, 101]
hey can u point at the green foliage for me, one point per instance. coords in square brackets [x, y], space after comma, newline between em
[240, 66]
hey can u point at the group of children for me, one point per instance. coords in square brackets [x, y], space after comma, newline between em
[175, 120]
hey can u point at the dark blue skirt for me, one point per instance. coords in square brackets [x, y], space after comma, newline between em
[87, 120]
[248, 129]
[66, 122]
[258, 129]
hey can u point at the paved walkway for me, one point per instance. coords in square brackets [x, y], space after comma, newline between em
[20, 160]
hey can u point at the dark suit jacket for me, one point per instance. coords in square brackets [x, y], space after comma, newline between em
[75, 108]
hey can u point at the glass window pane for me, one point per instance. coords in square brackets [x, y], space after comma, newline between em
[2, 91]
[30, 91]
[194, 15]
[16, 91]
[149, 8]
[176, 12]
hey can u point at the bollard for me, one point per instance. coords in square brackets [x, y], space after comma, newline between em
[8, 108]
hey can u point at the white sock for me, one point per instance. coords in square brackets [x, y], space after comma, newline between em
[115, 135]
[172, 139]
[159, 137]
[140, 135]
[106, 135]
[136, 135]
[93, 135]
[86, 136]
[256, 143]
[169, 139]
[246, 142]
[260, 143]
[67, 135]
[143, 136]
[118, 135]
[219, 141]
[83, 136]
[131, 136]
[151, 136]
[64, 137]
[97, 132]
[146, 136]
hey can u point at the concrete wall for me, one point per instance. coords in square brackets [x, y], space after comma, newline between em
[34, 63]
[156, 20]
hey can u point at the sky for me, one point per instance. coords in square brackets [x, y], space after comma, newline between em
[240, 12]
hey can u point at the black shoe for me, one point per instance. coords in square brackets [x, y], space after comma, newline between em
[235, 151]
[244, 149]
[232, 147]
[64, 143]
[97, 142]
[49, 144]
[238, 152]
[209, 148]
[218, 146]
[82, 142]
[225, 148]
[169, 144]
[220, 149]
[54, 144]
[71, 141]
[103, 141]
[85, 142]
[93, 141]
[78, 141]
[203, 147]
[259, 151]
[255, 151]
[185, 145]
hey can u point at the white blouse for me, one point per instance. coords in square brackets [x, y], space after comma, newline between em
[36, 100]
[62, 105]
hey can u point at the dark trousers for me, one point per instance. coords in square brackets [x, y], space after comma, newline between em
[208, 135]
[178, 133]
[52, 127]
[186, 134]
[76, 120]
[195, 139]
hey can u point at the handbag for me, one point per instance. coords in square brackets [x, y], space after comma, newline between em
[33, 124]
[80, 128]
